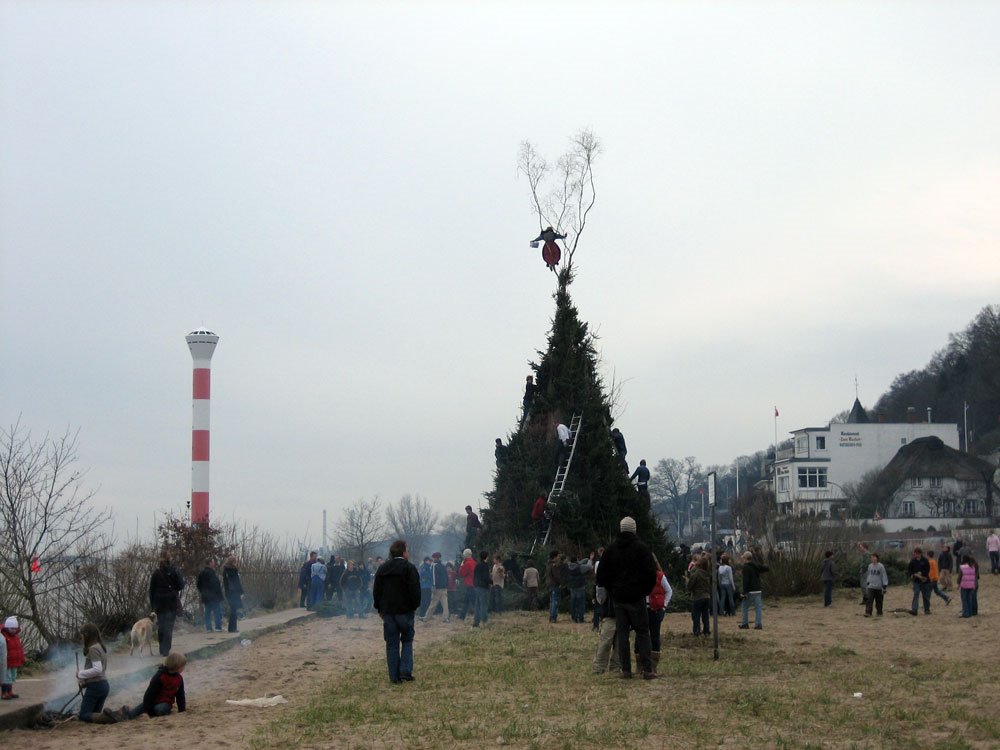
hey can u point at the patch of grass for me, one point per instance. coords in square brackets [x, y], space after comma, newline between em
[523, 683]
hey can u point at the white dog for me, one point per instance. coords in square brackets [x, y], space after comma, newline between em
[142, 634]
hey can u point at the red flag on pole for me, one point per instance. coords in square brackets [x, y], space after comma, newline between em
[775, 412]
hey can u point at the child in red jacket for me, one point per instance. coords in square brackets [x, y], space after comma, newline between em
[15, 657]
[166, 686]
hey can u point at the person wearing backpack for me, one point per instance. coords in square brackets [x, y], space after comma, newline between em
[656, 604]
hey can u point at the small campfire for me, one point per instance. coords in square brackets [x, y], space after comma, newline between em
[51, 719]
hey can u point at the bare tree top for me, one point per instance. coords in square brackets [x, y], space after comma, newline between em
[563, 194]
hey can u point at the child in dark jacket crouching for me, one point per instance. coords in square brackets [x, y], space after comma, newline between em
[166, 686]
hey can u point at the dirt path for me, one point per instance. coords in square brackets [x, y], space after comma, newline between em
[292, 662]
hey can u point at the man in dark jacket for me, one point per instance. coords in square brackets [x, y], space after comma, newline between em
[482, 581]
[628, 572]
[305, 578]
[397, 595]
[641, 475]
[919, 571]
[334, 579]
[752, 591]
[211, 595]
[165, 587]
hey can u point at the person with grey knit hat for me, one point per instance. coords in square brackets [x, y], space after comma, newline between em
[628, 572]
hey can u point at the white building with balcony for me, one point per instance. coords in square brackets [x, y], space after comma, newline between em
[809, 478]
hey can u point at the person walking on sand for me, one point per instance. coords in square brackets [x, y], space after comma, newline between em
[919, 571]
[305, 579]
[439, 592]
[165, 586]
[934, 576]
[396, 594]
[944, 567]
[993, 548]
[752, 591]
[828, 574]
[210, 591]
[876, 583]
[233, 588]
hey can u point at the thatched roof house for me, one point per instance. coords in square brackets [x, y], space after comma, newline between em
[928, 479]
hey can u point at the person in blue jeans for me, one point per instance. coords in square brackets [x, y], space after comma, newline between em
[752, 591]
[919, 571]
[396, 596]
[554, 579]
[92, 678]
[481, 580]
[210, 590]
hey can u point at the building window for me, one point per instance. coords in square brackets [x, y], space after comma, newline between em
[949, 508]
[812, 477]
[801, 444]
[936, 483]
[782, 484]
[971, 507]
[916, 482]
[821, 443]
[906, 509]
[971, 485]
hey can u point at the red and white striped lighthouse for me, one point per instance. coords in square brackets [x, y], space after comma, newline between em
[202, 346]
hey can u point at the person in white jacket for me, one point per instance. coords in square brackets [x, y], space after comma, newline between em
[876, 581]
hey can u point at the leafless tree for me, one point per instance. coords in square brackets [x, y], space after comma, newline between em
[50, 530]
[361, 528]
[452, 531]
[670, 488]
[412, 519]
[563, 194]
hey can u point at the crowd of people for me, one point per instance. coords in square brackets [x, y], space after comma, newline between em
[929, 575]
[630, 596]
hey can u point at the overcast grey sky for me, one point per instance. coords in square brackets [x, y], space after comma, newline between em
[790, 195]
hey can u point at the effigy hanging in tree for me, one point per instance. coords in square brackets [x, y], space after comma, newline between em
[550, 250]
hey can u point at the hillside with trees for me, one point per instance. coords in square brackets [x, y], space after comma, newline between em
[965, 372]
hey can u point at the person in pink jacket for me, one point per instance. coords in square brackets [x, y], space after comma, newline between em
[967, 585]
[993, 547]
